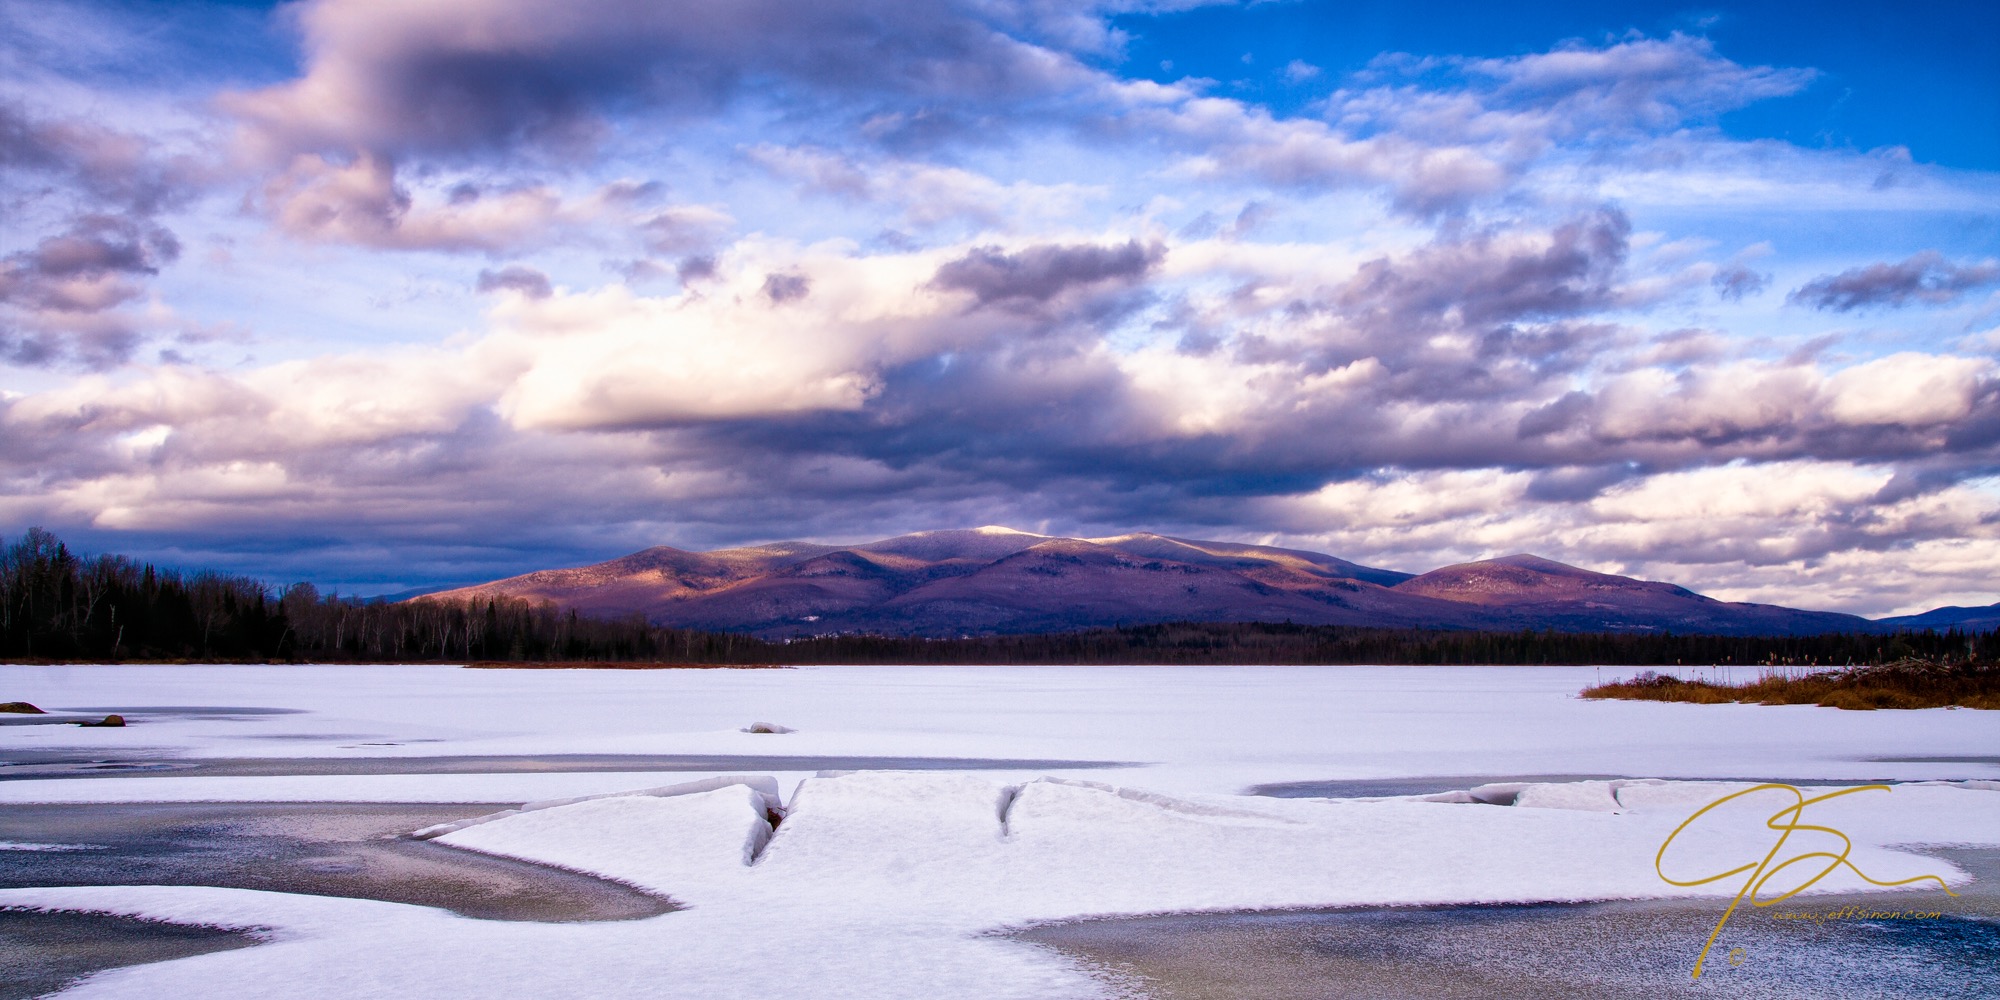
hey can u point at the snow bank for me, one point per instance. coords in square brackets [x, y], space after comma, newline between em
[683, 844]
[1593, 796]
[766, 787]
[883, 885]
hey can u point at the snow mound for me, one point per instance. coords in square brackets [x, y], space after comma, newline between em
[1499, 793]
[1980, 784]
[893, 823]
[1676, 796]
[1460, 797]
[765, 786]
[1592, 796]
[688, 844]
[1109, 803]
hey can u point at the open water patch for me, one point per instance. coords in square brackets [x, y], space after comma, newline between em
[190, 711]
[16, 765]
[1810, 946]
[47, 951]
[1366, 788]
[355, 850]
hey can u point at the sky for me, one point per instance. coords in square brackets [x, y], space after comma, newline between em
[386, 295]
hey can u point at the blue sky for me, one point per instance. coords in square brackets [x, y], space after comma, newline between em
[1922, 76]
[385, 295]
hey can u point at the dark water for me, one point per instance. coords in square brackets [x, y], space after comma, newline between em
[1623, 950]
[43, 953]
[1361, 788]
[137, 715]
[1357, 788]
[17, 764]
[1973, 759]
[357, 850]
[185, 711]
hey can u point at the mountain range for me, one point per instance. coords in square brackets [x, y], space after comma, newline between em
[995, 580]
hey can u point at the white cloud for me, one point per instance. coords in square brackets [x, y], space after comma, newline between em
[924, 194]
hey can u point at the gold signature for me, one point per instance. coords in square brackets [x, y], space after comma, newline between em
[1784, 822]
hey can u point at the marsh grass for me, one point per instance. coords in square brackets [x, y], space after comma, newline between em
[1907, 683]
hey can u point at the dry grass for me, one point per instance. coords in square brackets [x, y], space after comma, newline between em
[1912, 683]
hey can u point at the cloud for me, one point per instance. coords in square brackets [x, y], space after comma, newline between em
[96, 192]
[114, 169]
[1037, 274]
[361, 202]
[1926, 278]
[1644, 83]
[516, 278]
[783, 288]
[1492, 277]
[1577, 482]
[879, 395]
[469, 75]
[1901, 406]
[684, 229]
[1761, 532]
[1235, 140]
[927, 195]
[64, 294]
[1734, 282]
[1444, 144]
[695, 268]
[84, 269]
[1299, 71]
[1683, 347]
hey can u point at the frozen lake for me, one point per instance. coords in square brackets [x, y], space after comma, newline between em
[981, 800]
[1194, 729]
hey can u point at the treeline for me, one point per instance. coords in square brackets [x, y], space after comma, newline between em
[56, 605]
[1250, 643]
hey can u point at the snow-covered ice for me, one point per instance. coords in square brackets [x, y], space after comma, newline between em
[887, 884]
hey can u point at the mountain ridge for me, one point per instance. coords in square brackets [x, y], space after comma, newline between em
[996, 580]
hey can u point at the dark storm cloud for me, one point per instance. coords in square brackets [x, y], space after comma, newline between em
[1926, 278]
[1040, 273]
[518, 278]
[482, 74]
